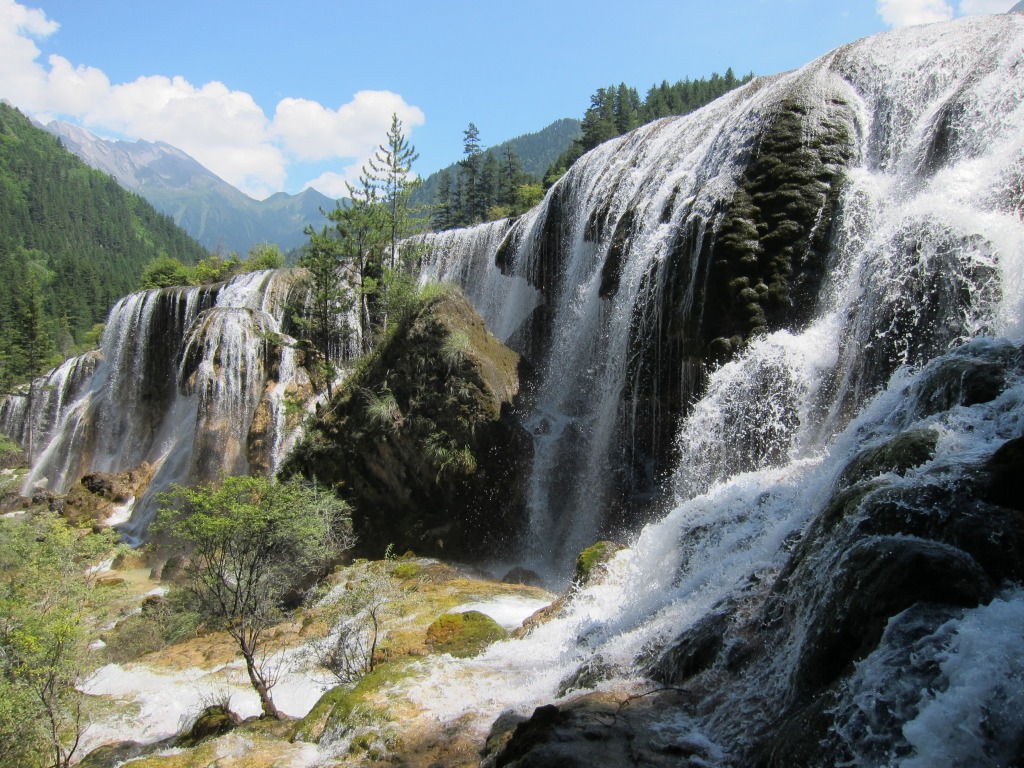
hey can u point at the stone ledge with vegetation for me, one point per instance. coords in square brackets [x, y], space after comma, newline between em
[421, 439]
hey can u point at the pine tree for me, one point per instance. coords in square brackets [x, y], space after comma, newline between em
[362, 228]
[443, 216]
[511, 177]
[390, 170]
[490, 179]
[328, 301]
[627, 109]
[471, 208]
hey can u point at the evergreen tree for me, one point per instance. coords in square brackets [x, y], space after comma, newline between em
[443, 216]
[328, 301]
[471, 199]
[511, 177]
[627, 109]
[390, 170]
[33, 346]
[362, 227]
[490, 180]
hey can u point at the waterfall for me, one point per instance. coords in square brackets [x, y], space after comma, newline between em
[193, 381]
[829, 561]
[651, 263]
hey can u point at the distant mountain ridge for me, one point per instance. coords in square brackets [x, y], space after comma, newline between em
[210, 209]
[221, 217]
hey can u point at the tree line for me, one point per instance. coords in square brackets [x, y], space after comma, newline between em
[487, 185]
[616, 110]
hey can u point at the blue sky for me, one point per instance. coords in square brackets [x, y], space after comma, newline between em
[276, 96]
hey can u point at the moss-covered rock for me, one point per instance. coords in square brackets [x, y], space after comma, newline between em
[898, 455]
[345, 708]
[751, 265]
[421, 440]
[463, 634]
[215, 720]
[773, 235]
[11, 454]
[116, 753]
[592, 561]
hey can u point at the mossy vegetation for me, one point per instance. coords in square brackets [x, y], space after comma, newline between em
[463, 634]
[773, 235]
[418, 439]
[592, 560]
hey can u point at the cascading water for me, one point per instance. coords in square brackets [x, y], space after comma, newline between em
[792, 322]
[193, 381]
[835, 560]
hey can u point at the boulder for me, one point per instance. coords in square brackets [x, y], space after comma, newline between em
[463, 634]
[422, 442]
[215, 720]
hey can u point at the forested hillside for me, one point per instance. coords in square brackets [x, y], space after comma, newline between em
[534, 151]
[72, 241]
[616, 110]
[509, 179]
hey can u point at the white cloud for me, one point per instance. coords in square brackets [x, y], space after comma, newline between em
[311, 131]
[903, 13]
[224, 129]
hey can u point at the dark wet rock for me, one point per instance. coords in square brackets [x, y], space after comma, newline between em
[520, 575]
[835, 728]
[960, 381]
[587, 677]
[898, 455]
[694, 651]
[1006, 475]
[600, 729]
[113, 755]
[501, 732]
[878, 578]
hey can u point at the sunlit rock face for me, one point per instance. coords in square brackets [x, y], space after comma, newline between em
[191, 381]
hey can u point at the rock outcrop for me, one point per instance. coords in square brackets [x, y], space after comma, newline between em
[421, 439]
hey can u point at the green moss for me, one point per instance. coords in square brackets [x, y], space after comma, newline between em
[463, 634]
[592, 558]
[406, 571]
[343, 706]
[775, 231]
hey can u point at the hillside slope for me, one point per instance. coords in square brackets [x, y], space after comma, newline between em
[71, 232]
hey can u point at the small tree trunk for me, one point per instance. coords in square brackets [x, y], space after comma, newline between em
[260, 686]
